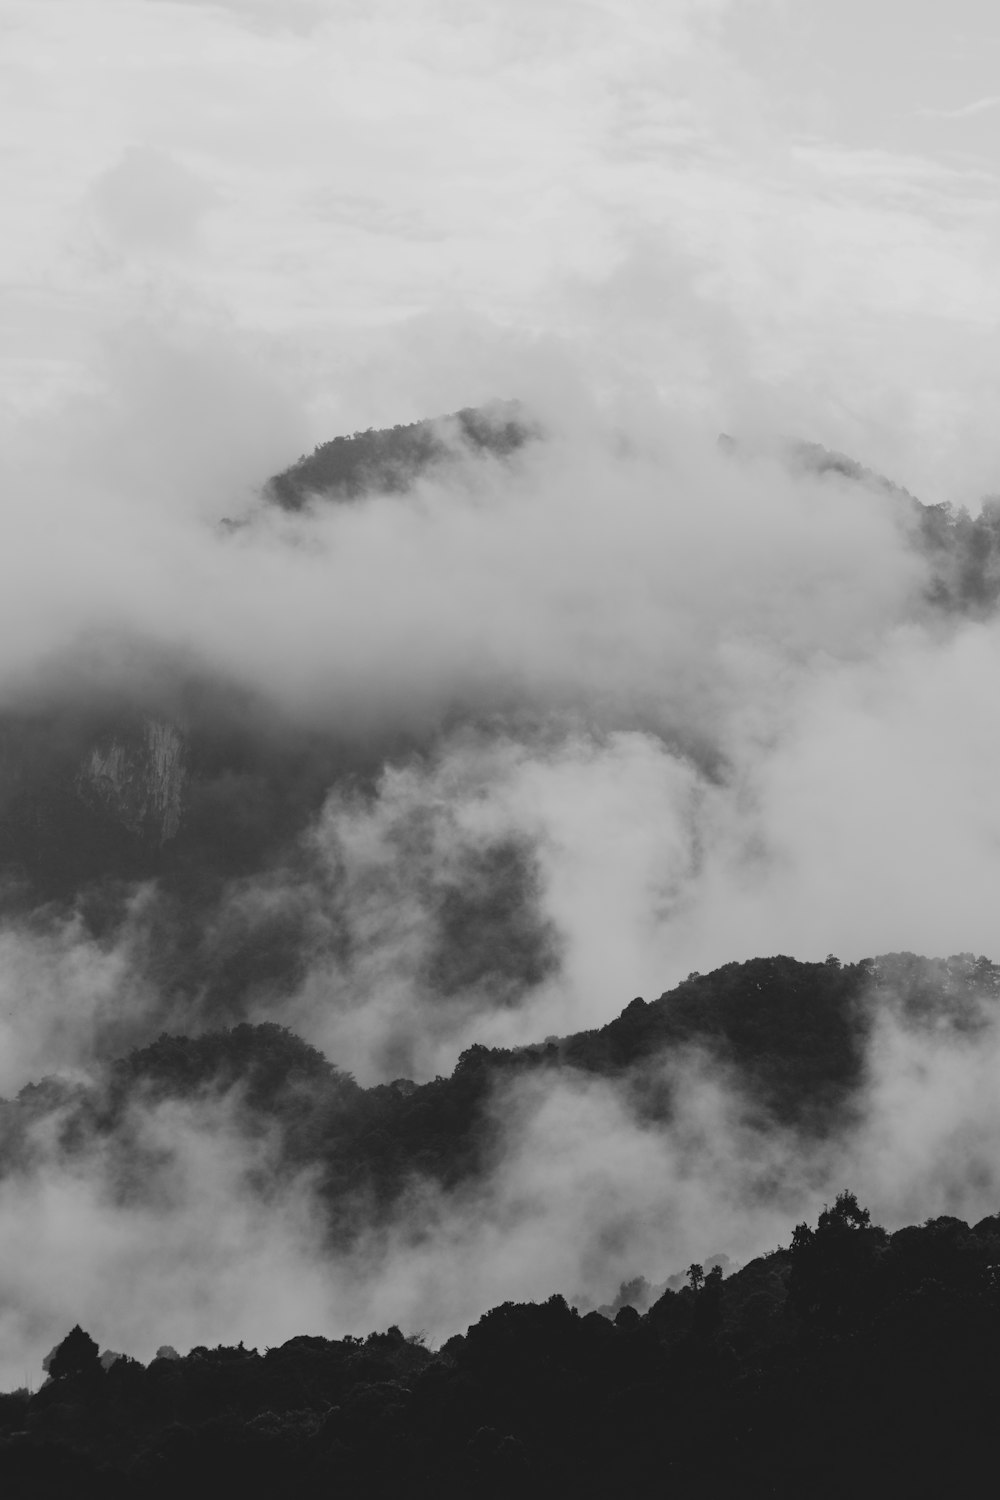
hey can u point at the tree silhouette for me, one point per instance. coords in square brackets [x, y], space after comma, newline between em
[708, 1307]
[846, 1212]
[76, 1355]
[833, 1275]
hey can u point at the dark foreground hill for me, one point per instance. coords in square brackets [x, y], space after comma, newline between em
[850, 1362]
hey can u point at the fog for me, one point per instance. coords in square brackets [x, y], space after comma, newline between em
[213, 1244]
[624, 705]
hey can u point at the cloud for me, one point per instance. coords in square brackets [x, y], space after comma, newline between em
[866, 822]
[677, 695]
[964, 111]
[640, 695]
[150, 201]
[59, 990]
[211, 1242]
[595, 655]
[527, 166]
[195, 1248]
[592, 567]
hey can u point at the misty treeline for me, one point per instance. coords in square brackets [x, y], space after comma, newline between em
[962, 551]
[848, 1361]
[791, 1039]
[389, 459]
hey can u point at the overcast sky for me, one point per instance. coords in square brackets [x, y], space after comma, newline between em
[769, 211]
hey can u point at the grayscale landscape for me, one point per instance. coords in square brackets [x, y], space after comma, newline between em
[499, 729]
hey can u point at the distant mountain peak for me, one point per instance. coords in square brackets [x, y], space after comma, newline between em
[391, 459]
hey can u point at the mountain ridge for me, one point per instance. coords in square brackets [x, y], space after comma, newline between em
[790, 1038]
[97, 774]
[390, 459]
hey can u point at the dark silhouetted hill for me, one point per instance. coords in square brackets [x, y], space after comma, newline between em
[851, 1362]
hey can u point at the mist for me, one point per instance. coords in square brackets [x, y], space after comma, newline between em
[661, 707]
[479, 761]
[185, 1230]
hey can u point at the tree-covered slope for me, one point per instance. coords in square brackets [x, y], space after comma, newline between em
[789, 1038]
[851, 1361]
[390, 459]
[962, 551]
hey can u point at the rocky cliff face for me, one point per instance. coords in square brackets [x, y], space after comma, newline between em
[138, 776]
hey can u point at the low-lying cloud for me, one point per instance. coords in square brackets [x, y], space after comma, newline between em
[183, 1228]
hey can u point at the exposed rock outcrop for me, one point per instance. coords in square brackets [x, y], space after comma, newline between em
[138, 776]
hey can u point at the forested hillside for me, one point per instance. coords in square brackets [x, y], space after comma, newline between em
[790, 1039]
[390, 460]
[849, 1361]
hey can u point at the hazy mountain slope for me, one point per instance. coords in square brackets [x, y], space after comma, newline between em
[183, 777]
[188, 773]
[391, 459]
[790, 1038]
[206, 798]
[962, 551]
[197, 778]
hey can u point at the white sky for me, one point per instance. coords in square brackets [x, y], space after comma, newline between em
[774, 212]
